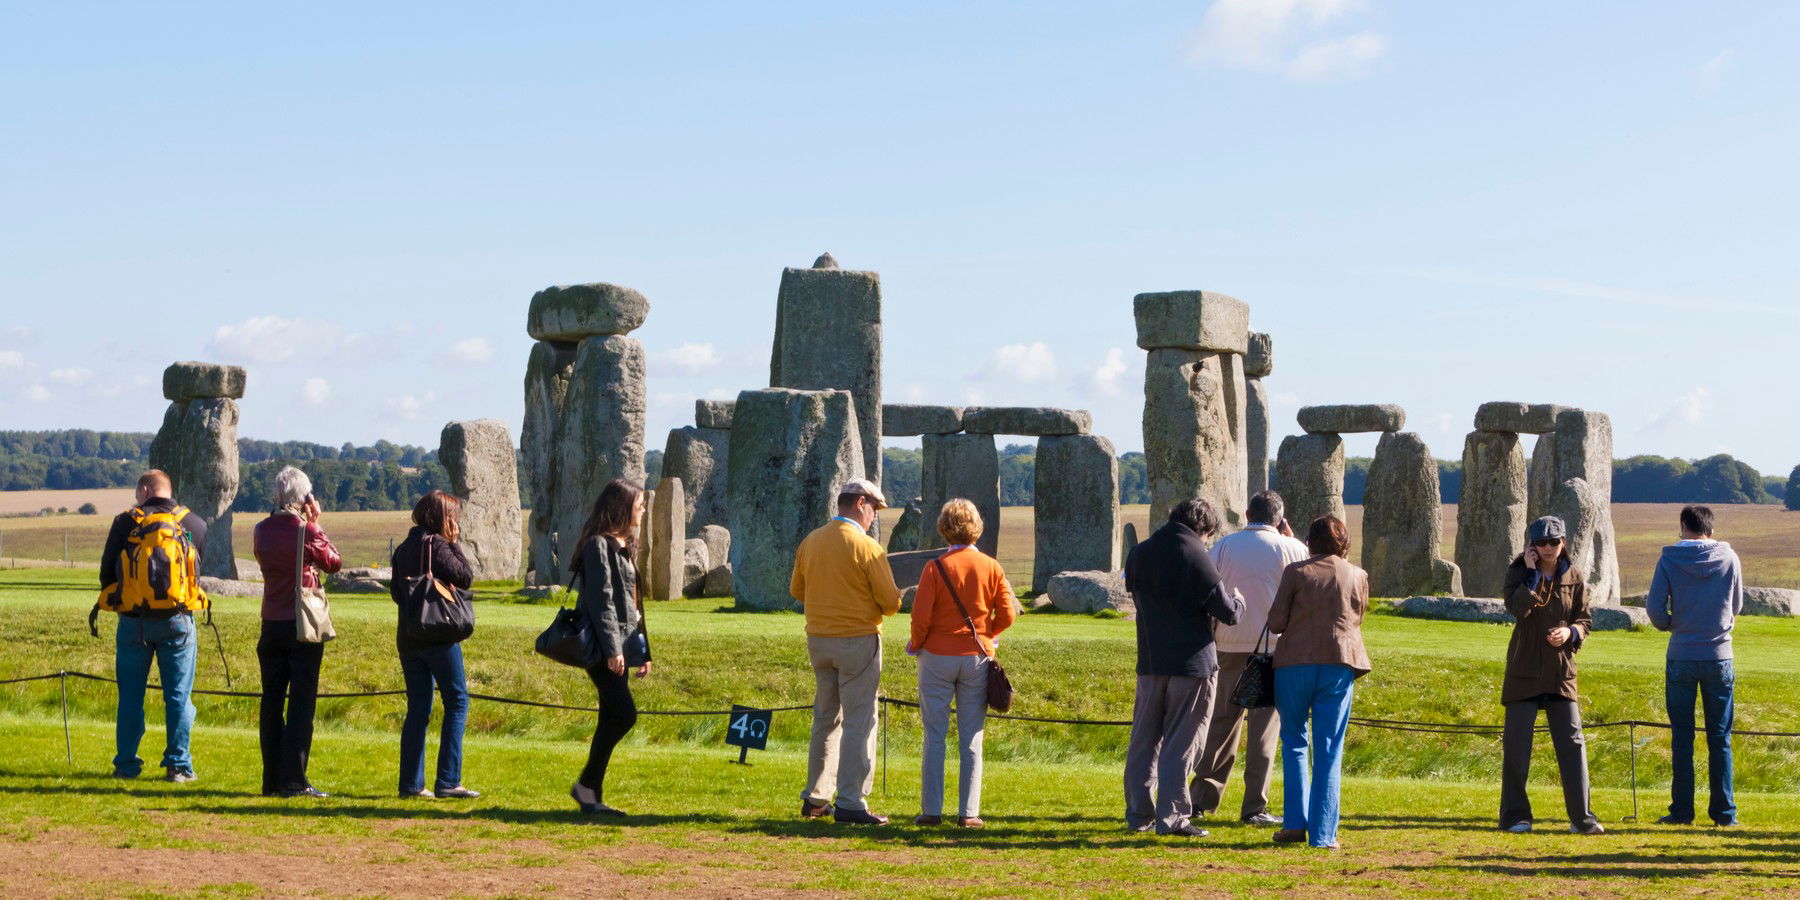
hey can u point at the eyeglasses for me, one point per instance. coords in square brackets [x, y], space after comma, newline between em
[1546, 542]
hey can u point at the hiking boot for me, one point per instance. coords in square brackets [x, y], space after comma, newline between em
[180, 776]
[857, 817]
[1262, 818]
[1289, 836]
[1518, 828]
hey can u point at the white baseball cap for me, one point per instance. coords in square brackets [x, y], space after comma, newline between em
[866, 488]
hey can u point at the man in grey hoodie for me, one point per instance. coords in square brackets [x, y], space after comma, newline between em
[1696, 595]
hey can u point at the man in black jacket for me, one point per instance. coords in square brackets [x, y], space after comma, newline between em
[1178, 595]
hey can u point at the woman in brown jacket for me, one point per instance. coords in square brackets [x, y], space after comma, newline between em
[1549, 603]
[1318, 612]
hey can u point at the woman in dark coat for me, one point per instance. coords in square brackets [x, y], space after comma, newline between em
[428, 665]
[1549, 602]
[610, 600]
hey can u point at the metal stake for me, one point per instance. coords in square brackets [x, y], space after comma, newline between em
[1632, 730]
[881, 711]
[68, 747]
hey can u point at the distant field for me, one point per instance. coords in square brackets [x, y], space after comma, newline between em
[14, 502]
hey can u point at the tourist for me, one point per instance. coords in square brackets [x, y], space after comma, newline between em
[1318, 612]
[1178, 597]
[1696, 596]
[842, 581]
[153, 624]
[289, 542]
[611, 598]
[425, 665]
[1548, 600]
[962, 604]
[1250, 564]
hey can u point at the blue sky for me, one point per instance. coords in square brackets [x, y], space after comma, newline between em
[1426, 203]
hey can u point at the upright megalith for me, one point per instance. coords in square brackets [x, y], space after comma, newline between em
[1540, 477]
[828, 337]
[697, 457]
[1309, 473]
[1592, 548]
[198, 448]
[584, 411]
[1584, 452]
[1195, 421]
[714, 413]
[959, 465]
[484, 473]
[1258, 363]
[1077, 507]
[668, 541]
[1402, 530]
[906, 534]
[791, 452]
[1491, 511]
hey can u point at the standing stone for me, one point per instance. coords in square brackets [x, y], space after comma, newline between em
[1402, 517]
[1077, 507]
[1309, 473]
[1259, 359]
[1237, 413]
[905, 536]
[1188, 432]
[1592, 549]
[601, 433]
[791, 452]
[645, 560]
[960, 465]
[1541, 477]
[695, 564]
[198, 448]
[668, 535]
[1581, 449]
[484, 473]
[547, 374]
[1128, 538]
[713, 413]
[828, 337]
[1256, 428]
[717, 582]
[697, 457]
[1490, 514]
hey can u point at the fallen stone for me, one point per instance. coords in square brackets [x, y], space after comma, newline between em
[713, 413]
[1309, 473]
[1192, 320]
[718, 582]
[828, 337]
[185, 381]
[694, 566]
[1091, 592]
[909, 567]
[910, 419]
[1259, 359]
[1189, 450]
[906, 597]
[1518, 418]
[578, 311]
[1765, 601]
[905, 535]
[1471, 609]
[1490, 513]
[1351, 418]
[1402, 529]
[483, 469]
[697, 456]
[1076, 505]
[960, 465]
[228, 587]
[359, 580]
[668, 534]
[249, 570]
[718, 555]
[1025, 420]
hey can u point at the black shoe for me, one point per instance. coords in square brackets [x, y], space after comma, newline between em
[857, 817]
[308, 791]
[1185, 829]
[1262, 818]
[811, 810]
[1671, 820]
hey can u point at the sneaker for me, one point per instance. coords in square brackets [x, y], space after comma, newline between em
[1185, 829]
[1262, 818]
[180, 776]
[1731, 824]
[1671, 820]
[1139, 827]
[420, 794]
[1591, 829]
[1289, 836]
[857, 817]
[308, 791]
[1518, 828]
[458, 793]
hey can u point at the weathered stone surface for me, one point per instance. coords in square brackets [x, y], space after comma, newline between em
[1256, 436]
[718, 550]
[1519, 418]
[1077, 507]
[547, 373]
[697, 457]
[1192, 320]
[1128, 538]
[668, 534]
[694, 566]
[198, 448]
[1471, 609]
[906, 598]
[825, 261]
[1446, 578]
[600, 435]
[1591, 543]
[1091, 592]
[1309, 473]
[483, 469]
[1490, 513]
[248, 570]
[1619, 618]
[791, 452]
[1349, 418]
[1025, 420]
[905, 535]
[1584, 451]
[360, 580]
[911, 419]
[1189, 449]
[226, 587]
[718, 582]
[828, 337]
[1402, 517]
[646, 551]
[713, 413]
[1259, 359]
[1540, 477]
[1237, 416]
[908, 567]
[195, 380]
[960, 465]
[578, 311]
[1763, 601]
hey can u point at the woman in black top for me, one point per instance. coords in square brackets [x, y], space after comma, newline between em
[609, 598]
[434, 533]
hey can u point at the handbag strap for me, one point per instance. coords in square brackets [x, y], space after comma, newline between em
[299, 560]
[1263, 641]
[944, 575]
[425, 554]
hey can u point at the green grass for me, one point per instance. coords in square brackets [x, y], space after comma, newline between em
[1419, 806]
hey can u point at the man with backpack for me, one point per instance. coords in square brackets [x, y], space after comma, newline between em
[149, 575]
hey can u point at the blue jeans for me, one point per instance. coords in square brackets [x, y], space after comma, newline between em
[1323, 692]
[173, 644]
[1713, 680]
[425, 667]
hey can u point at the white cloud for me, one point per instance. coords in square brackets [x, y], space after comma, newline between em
[1688, 409]
[473, 351]
[273, 339]
[37, 393]
[315, 391]
[690, 358]
[1022, 362]
[72, 376]
[409, 406]
[1296, 38]
[1106, 376]
[12, 359]
[1712, 72]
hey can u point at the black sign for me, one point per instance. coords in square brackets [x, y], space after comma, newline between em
[748, 728]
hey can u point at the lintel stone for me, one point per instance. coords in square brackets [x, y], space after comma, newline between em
[1519, 418]
[574, 312]
[1350, 418]
[1192, 320]
[1026, 420]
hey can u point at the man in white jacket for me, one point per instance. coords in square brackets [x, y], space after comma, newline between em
[1250, 564]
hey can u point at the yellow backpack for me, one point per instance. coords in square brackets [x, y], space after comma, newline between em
[159, 569]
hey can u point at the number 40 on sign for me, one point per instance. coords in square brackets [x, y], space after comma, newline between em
[747, 728]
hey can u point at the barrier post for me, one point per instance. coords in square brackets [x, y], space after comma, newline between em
[1632, 731]
[881, 717]
[68, 747]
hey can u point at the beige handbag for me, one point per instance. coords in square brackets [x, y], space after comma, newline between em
[312, 612]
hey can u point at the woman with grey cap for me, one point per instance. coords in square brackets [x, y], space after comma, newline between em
[1548, 601]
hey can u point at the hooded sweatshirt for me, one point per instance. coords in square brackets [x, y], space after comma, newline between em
[1696, 595]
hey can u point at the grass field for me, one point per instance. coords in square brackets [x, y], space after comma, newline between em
[1419, 808]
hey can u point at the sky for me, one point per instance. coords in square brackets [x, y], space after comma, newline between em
[1424, 203]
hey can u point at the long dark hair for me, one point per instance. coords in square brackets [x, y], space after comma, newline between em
[612, 515]
[436, 512]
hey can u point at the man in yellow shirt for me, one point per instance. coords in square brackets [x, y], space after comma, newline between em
[842, 581]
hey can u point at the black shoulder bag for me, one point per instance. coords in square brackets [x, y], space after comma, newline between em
[570, 638]
[999, 687]
[437, 612]
[1255, 688]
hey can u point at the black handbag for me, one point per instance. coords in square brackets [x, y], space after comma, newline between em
[999, 686]
[570, 639]
[437, 612]
[1255, 688]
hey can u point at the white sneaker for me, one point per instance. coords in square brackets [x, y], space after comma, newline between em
[1519, 828]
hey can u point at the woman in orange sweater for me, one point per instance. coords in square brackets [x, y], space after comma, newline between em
[962, 604]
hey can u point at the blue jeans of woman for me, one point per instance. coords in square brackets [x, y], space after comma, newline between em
[1322, 693]
[426, 667]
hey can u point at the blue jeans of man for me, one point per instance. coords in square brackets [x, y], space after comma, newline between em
[438, 666]
[1714, 681]
[173, 644]
[1321, 693]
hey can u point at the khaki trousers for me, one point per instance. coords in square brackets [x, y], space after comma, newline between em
[847, 677]
[940, 678]
[1213, 767]
[1168, 720]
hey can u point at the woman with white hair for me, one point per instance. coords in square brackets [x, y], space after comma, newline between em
[292, 550]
